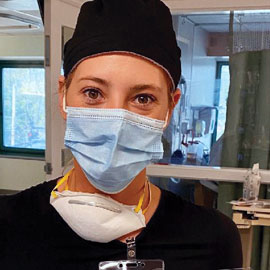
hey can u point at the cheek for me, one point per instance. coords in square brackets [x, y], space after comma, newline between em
[167, 106]
[73, 98]
[166, 102]
[163, 109]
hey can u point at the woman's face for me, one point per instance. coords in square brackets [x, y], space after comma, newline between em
[119, 81]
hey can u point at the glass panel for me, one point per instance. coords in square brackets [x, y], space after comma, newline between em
[24, 107]
[223, 116]
[221, 119]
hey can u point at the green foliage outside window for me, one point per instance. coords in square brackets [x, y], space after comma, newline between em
[22, 108]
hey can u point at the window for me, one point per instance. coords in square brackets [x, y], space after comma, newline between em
[22, 108]
[222, 119]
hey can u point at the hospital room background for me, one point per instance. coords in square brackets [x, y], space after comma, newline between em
[218, 131]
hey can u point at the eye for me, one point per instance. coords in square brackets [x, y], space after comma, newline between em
[93, 96]
[144, 99]
[92, 93]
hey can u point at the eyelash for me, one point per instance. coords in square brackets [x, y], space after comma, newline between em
[150, 98]
[88, 90]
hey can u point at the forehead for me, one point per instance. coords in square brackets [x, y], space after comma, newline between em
[125, 66]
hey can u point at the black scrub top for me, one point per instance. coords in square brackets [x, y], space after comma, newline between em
[33, 236]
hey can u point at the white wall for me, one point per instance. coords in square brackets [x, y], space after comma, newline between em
[21, 46]
[18, 174]
[203, 71]
[203, 76]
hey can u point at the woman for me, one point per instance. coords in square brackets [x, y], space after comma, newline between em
[122, 67]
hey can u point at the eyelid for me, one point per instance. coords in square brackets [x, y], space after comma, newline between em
[90, 88]
[152, 97]
[93, 101]
[145, 106]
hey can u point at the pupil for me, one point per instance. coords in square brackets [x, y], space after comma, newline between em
[93, 94]
[143, 99]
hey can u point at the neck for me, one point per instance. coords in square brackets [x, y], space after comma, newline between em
[129, 196]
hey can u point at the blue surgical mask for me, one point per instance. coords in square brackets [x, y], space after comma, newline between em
[112, 145]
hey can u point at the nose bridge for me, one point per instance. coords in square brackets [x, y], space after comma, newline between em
[117, 99]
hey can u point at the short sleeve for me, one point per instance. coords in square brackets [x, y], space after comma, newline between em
[229, 244]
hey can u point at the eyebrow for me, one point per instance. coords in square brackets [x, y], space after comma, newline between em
[138, 87]
[95, 79]
[141, 87]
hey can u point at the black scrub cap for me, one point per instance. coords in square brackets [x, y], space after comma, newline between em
[139, 27]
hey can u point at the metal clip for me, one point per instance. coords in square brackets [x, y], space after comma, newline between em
[131, 248]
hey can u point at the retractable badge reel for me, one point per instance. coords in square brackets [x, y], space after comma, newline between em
[132, 263]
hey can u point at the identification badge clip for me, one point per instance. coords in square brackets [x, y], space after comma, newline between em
[132, 263]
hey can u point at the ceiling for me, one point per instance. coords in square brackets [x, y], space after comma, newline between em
[219, 21]
[20, 17]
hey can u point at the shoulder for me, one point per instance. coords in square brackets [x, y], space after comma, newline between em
[229, 242]
[25, 202]
[206, 225]
[174, 204]
[183, 210]
[20, 216]
[189, 214]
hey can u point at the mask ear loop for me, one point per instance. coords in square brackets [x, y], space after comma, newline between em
[167, 115]
[64, 102]
[166, 120]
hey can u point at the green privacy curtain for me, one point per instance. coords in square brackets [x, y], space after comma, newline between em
[246, 139]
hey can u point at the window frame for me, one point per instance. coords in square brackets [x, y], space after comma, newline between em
[14, 151]
[206, 173]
